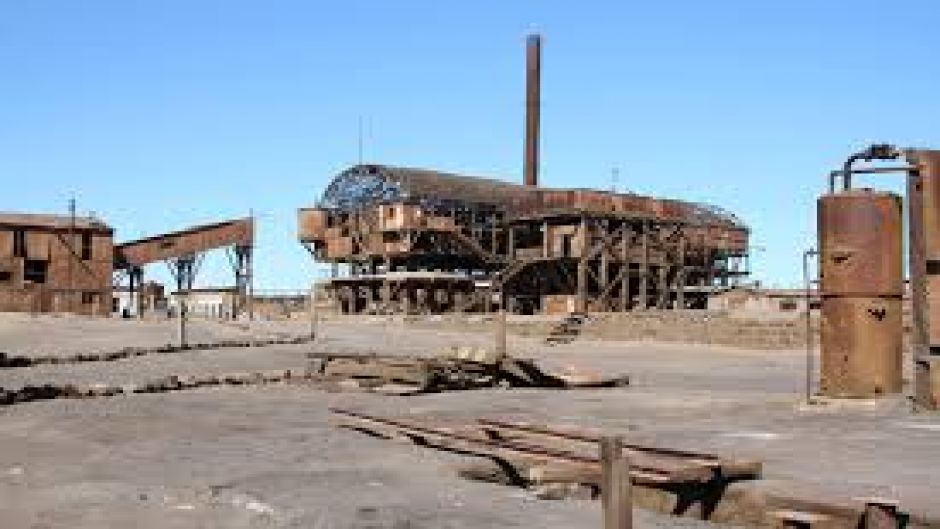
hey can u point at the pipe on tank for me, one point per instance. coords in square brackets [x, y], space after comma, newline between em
[878, 151]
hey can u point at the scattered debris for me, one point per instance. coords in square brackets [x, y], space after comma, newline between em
[158, 385]
[12, 361]
[460, 369]
[567, 329]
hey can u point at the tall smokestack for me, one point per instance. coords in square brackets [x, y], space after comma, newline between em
[533, 82]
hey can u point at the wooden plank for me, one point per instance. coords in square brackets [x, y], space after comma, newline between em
[729, 469]
[533, 453]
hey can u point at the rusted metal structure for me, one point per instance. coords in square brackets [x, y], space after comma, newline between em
[55, 263]
[924, 256]
[183, 251]
[862, 285]
[922, 172]
[417, 240]
[516, 246]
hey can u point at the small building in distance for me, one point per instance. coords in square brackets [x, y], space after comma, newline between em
[55, 263]
[208, 302]
[767, 301]
[153, 299]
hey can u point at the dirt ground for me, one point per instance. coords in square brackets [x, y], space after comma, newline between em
[271, 456]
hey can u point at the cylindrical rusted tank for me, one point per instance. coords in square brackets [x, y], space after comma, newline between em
[861, 285]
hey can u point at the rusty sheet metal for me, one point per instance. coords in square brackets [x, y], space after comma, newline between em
[928, 163]
[933, 315]
[860, 243]
[50, 222]
[925, 278]
[312, 224]
[861, 286]
[861, 346]
[365, 185]
[185, 242]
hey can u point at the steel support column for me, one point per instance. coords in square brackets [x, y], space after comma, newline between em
[244, 281]
[183, 270]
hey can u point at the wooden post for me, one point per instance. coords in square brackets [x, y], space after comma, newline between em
[680, 276]
[313, 312]
[881, 514]
[603, 277]
[625, 263]
[582, 266]
[616, 497]
[645, 268]
[500, 348]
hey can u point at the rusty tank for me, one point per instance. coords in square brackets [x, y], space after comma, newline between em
[861, 285]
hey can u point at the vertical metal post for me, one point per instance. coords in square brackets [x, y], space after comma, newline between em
[807, 285]
[616, 496]
[140, 292]
[917, 260]
[184, 283]
[131, 289]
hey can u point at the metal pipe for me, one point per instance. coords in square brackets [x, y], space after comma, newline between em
[878, 151]
[868, 170]
[532, 109]
[807, 283]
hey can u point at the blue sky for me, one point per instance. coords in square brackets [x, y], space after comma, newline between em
[161, 114]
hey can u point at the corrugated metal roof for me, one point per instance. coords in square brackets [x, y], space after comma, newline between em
[51, 221]
[367, 184]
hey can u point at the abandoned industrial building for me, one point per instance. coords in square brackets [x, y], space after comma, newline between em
[55, 263]
[424, 241]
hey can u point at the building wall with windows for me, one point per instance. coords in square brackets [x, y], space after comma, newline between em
[53, 263]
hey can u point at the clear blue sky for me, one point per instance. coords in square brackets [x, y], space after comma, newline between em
[161, 114]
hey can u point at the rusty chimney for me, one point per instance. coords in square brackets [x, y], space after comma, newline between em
[533, 73]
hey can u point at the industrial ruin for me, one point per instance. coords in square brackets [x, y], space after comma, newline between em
[861, 275]
[423, 241]
[55, 263]
[573, 343]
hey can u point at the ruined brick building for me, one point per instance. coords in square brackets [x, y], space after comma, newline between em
[53, 263]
